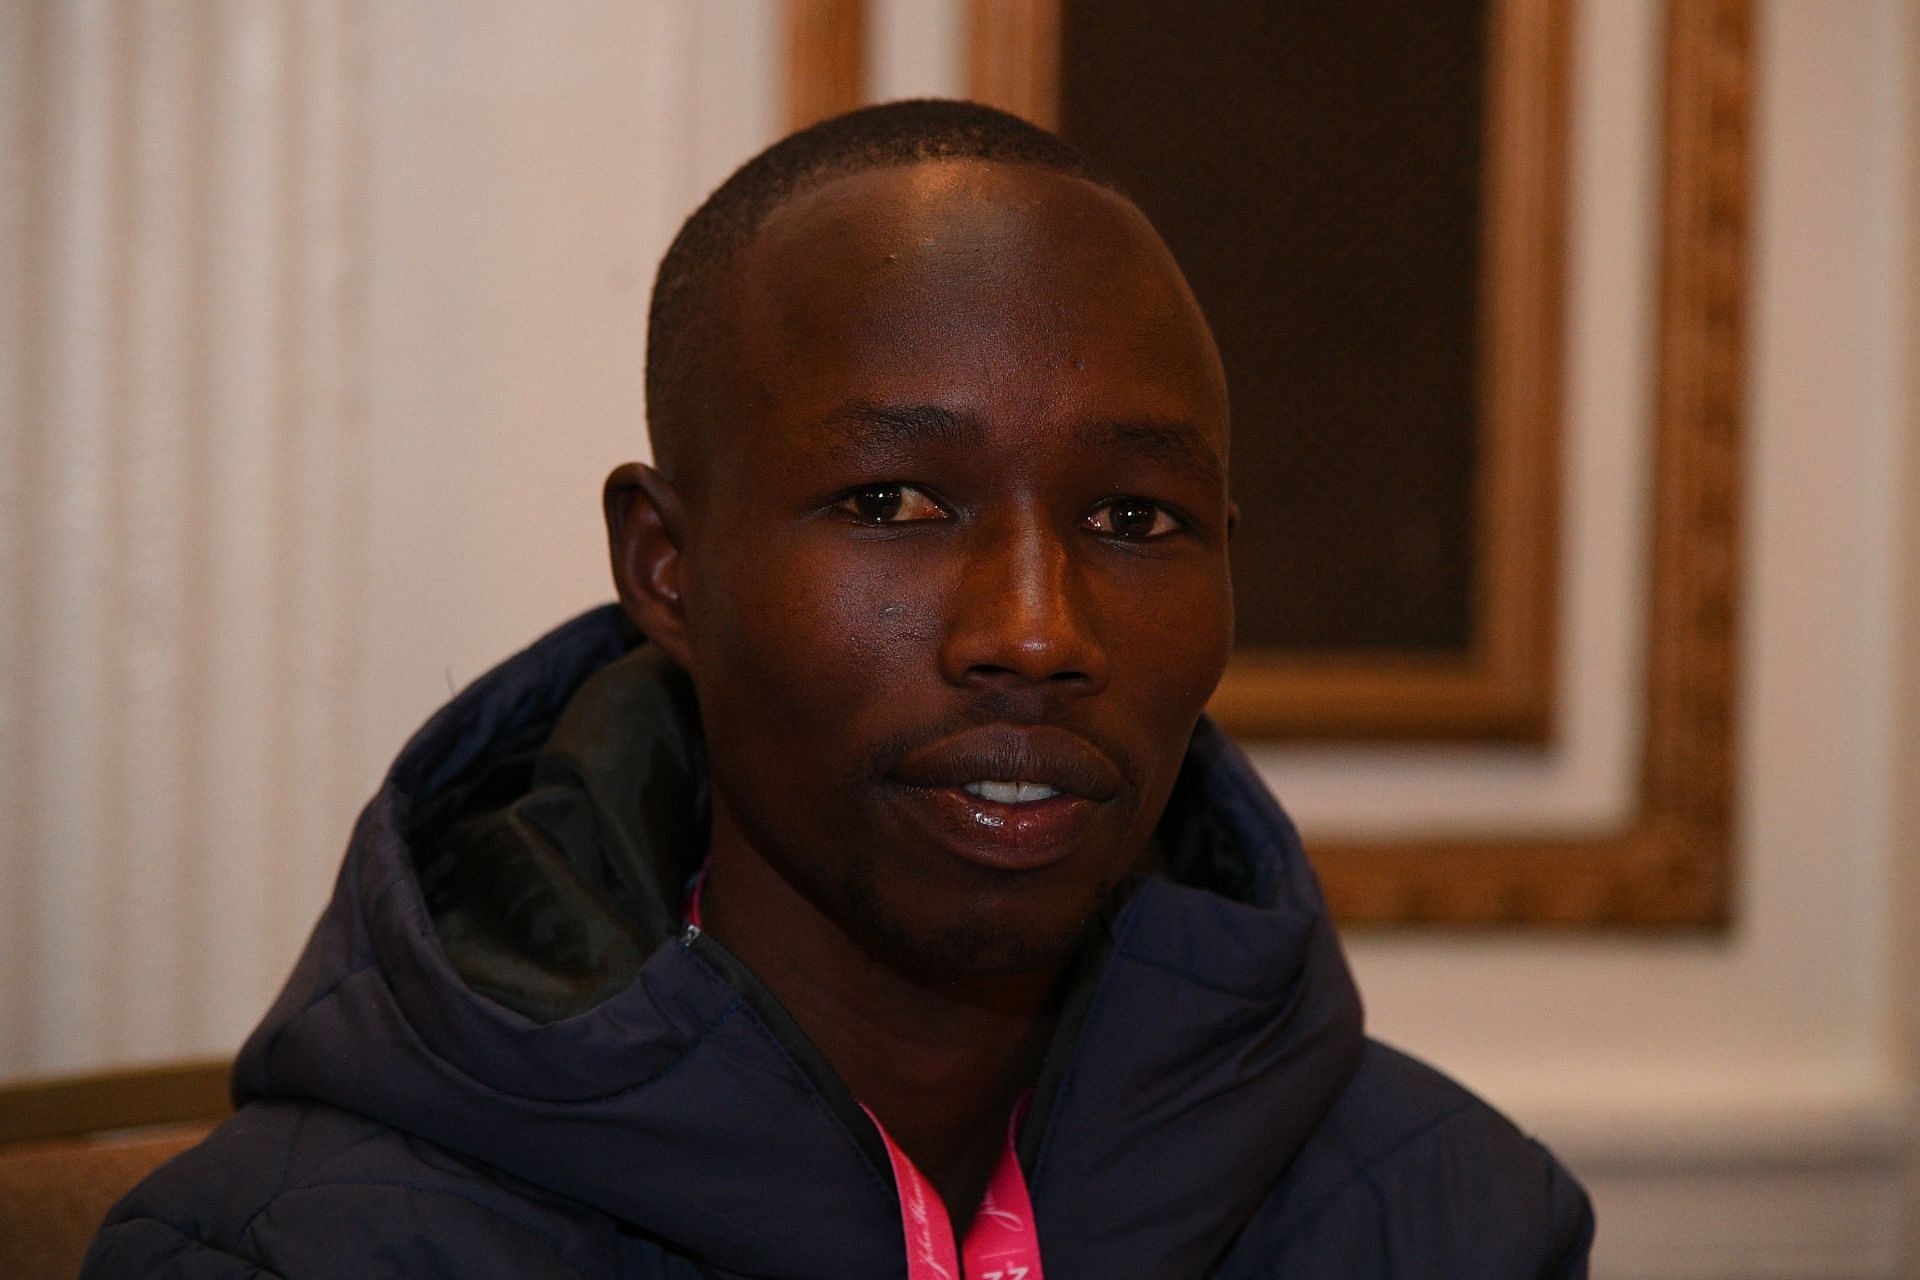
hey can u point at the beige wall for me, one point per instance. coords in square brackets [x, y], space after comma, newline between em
[330, 323]
[322, 323]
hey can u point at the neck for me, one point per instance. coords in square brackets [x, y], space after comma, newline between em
[941, 1060]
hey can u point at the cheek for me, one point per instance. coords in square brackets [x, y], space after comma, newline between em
[1168, 656]
[799, 640]
[1170, 643]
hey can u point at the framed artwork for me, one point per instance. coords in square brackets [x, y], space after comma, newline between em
[1372, 213]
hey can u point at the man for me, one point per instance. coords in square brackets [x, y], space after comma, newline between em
[891, 909]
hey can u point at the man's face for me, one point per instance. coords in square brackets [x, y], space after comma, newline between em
[955, 580]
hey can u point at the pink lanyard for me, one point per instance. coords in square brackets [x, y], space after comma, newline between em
[1002, 1243]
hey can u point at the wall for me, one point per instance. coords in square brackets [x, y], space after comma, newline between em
[329, 323]
[181, 512]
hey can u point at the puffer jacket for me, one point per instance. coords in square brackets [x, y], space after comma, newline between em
[501, 1054]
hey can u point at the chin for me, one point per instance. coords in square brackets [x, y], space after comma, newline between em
[981, 943]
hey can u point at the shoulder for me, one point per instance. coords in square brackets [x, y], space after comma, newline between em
[307, 1192]
[1410, 1174]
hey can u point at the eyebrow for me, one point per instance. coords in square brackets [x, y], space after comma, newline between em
[862, 427]
[1173, 441]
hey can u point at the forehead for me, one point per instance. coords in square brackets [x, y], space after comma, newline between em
[1003, 291]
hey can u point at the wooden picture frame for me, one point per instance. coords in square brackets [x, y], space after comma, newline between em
[1670, 863]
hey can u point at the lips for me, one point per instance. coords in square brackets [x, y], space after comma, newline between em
[1010, 798]
[1037, 755]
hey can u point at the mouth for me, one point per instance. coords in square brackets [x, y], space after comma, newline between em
[1011, 792]
[1010, 798]
[1014, 764]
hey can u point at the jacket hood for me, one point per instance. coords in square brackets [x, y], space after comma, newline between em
[500, 972]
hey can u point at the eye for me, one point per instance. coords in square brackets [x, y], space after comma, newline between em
[891, 504]
[1132, 518]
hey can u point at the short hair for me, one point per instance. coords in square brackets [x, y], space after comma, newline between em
[690, 286]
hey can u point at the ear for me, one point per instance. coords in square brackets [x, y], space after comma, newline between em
[647, 538]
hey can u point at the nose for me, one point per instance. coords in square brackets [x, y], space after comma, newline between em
[1021, 614]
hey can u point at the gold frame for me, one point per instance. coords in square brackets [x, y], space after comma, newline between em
[1670, 863]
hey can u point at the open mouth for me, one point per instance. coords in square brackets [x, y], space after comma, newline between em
[1011, 797]
[1011, 792]
[1014, 764]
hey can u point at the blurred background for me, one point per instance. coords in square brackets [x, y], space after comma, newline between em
[322, 322]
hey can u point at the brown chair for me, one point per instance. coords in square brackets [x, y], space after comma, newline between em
[70, 1148]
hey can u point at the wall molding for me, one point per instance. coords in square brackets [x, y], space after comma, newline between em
[1765, 1222]
[1801, 1179]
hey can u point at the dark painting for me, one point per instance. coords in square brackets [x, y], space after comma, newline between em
[1317, 170]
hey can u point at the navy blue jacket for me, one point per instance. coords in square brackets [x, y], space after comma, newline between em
[500, 1055]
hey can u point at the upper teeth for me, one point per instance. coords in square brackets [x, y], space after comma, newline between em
[1011, 792]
